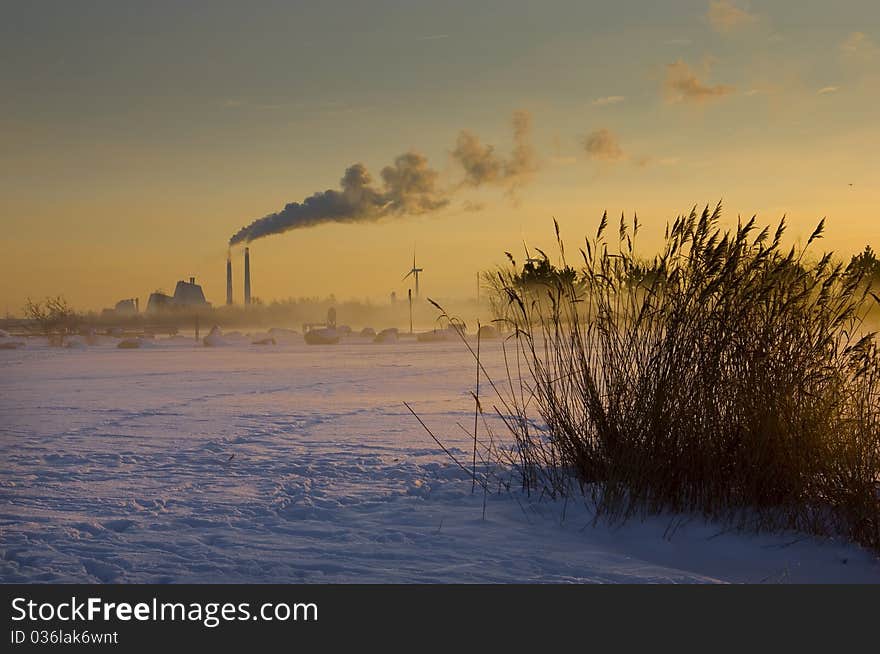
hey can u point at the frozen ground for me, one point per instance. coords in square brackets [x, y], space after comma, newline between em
[293, 463]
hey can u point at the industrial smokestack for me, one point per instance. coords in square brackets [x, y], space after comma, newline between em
[247, 276]
[228, 278]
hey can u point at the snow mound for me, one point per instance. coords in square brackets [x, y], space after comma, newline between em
[284, 336]
[134, 343]
[325, 336]
[437, 336]
[387, 336]
[214, 338]
[75, 343]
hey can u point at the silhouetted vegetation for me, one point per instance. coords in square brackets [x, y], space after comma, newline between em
[725, 377]
[54, 318]
[866, 265]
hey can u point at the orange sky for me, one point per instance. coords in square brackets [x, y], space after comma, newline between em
[134, 140]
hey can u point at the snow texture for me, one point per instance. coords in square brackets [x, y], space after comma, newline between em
[297, 463]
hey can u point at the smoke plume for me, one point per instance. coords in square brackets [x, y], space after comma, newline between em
[409, 186]
[482, 165]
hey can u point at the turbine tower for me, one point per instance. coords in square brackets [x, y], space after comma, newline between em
[414, 271]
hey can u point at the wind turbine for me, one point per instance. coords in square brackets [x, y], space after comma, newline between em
[415, 273]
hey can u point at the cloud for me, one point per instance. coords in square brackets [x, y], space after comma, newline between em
[523, 161]
[859, 46]
[480, 163]
[724, 16]
[409, 187]
[603, 145]
[683, 85]
[483, 166]
[470, 206]
[825, 90]
[432, 37]
[611, 99]
[647, 160]
[677, 42]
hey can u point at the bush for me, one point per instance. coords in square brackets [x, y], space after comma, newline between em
[726, 377]
[54, 318]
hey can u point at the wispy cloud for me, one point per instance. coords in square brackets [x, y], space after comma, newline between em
[859, 46]
[602, 144]
[432, 37]
[724, 16]
[610, 99]
[647, 160]
[470, 206]
[825, 90]
[683, 85]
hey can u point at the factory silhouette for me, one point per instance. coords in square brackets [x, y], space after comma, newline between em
[188, 308]
[188, 295]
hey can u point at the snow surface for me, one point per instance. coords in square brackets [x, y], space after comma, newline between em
[296, 463]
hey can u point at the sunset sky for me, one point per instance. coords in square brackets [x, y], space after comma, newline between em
[137, 137]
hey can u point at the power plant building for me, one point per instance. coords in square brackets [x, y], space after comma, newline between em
[186, 295]
[159, 302]
[128, 307]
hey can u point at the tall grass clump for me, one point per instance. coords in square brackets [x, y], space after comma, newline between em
[728, 376]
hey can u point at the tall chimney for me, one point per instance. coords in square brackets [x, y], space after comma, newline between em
[247, 276]
[228, 278]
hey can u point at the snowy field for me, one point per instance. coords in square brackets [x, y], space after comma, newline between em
[296, 463]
